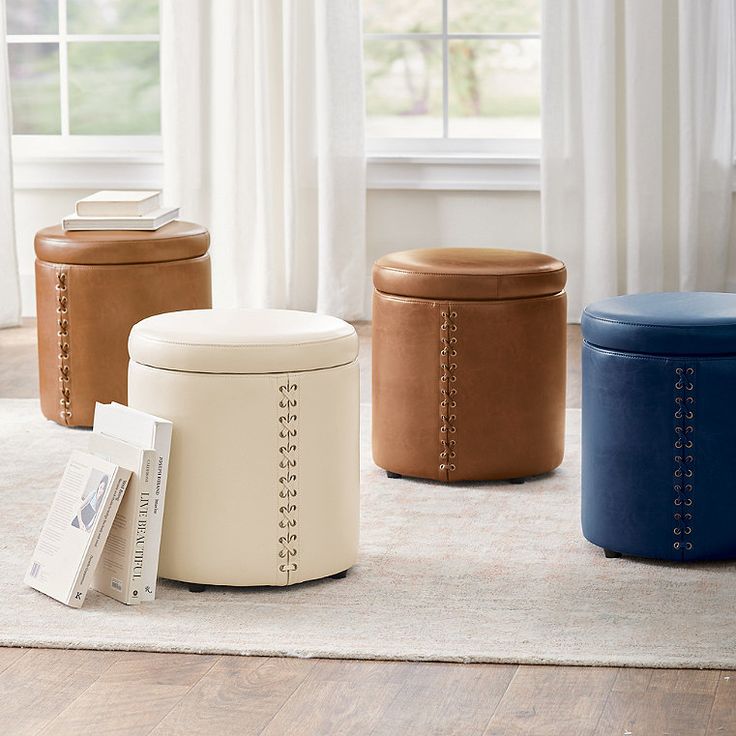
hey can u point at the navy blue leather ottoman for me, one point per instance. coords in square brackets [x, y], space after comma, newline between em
[659, 425]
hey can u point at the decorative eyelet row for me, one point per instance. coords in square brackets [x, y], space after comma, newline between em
[684, 457]
[62, 333]
[288, 478]
[448, 392]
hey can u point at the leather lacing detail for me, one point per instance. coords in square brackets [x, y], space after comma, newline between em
[62, 333]
[288, 479]
[684, 459]
[448, 392]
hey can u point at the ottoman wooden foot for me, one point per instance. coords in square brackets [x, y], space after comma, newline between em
[391, 474]
[196, 588]
[610, 554]
[339, 575]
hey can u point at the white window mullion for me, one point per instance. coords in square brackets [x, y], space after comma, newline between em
[63, 69]
[445, 74]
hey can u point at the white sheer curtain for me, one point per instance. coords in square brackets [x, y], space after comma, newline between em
[9, 282]
[263, 143]
[637, 141]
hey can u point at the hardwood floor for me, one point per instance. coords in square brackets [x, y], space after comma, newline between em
[46, 691]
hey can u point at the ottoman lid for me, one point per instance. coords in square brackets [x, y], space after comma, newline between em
[242, 341]
[468, 273]
[668, 323]
[173, 242]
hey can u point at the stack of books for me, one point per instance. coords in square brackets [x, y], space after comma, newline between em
[104, 527]
[120, 210]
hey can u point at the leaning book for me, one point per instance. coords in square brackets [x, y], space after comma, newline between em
[145, 431]
[76, 528]
[120, 571]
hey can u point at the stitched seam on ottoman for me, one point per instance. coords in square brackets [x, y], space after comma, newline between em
[684, 458]
[448, 391]
[288, 403]
[62, 333]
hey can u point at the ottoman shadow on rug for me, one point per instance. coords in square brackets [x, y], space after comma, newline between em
[469, 572]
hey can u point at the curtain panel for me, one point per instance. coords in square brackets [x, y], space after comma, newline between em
[262, 126]
[10, 303]
[637, 144]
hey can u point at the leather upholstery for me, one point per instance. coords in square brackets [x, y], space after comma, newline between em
[680, 323]
[84, 315]
[243, 341]
[175, 241]
[657, 429]
[264, 477]
[468, 273]
[468, 389]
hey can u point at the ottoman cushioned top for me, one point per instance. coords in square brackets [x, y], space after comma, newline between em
[468, 273]
[173, 242]
[678, 323]
[242, 341]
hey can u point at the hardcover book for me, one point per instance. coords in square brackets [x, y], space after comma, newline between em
[76, 528]
[119, 572]
[118, 203]
[150, 221]
[145, 431]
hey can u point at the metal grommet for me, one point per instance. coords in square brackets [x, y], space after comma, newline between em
[677, 531]
[689, 545]
[676, 545]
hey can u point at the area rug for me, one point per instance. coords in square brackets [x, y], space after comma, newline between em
[471, 572]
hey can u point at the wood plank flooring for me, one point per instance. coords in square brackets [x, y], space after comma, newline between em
[58, 692]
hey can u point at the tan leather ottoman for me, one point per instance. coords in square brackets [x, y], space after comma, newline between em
[91, 288]
[469, 350]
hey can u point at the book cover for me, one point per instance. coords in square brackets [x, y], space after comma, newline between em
[151, 221]
[76, 528]
[119, 572]
[144, 430]
[118, 203]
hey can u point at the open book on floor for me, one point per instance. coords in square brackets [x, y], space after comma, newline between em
[76, 528]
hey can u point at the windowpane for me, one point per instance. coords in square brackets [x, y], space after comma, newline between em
[34, 88]
[112, 16]
[32, 16]
[498, 16]
[114, 88]
[403, 88]
[494, 89]
[402, 16]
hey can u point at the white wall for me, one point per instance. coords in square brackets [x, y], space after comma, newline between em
[396, 220]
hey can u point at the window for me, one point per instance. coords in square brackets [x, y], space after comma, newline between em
[452, 75]
[84, 70]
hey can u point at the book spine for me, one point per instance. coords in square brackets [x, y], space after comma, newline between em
[143, 531]
[155, 524]
[91, 558]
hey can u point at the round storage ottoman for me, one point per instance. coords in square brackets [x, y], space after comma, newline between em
[91, 288]
[659, 400]
[469, 355]
[264, 476]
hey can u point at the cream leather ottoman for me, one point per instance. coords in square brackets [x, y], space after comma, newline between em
[263, 484]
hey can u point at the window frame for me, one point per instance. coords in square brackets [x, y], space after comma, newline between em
[76, 161]
[493, 164]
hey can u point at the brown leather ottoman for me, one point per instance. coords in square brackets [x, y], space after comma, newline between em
[91, 288]
[469, 352]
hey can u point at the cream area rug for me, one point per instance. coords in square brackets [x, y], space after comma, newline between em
[472, 572]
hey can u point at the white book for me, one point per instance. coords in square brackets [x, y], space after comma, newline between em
[144, 430]
[76, 528]
[117, 203]
[151, 221]
[120, 571]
